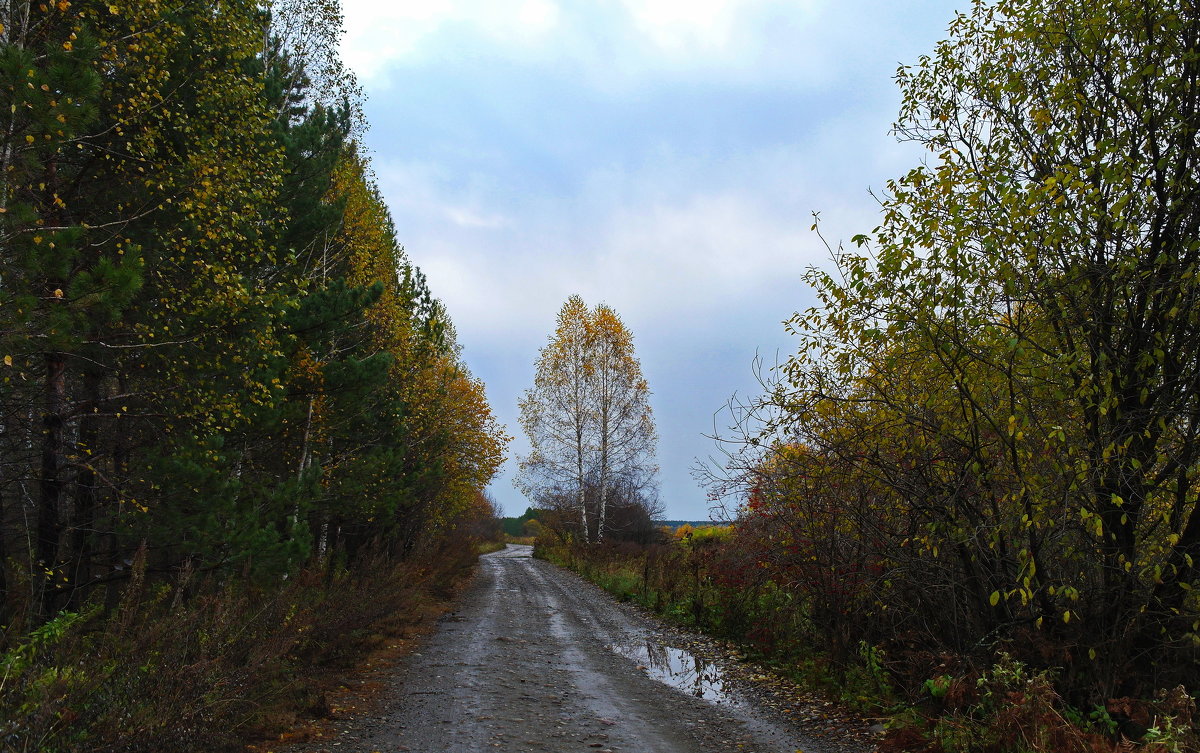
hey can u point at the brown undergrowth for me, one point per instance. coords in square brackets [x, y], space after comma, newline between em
[935, 702]
[1010, 709]
[181, 666]
[356, 687]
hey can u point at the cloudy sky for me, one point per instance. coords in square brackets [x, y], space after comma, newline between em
[662, 156]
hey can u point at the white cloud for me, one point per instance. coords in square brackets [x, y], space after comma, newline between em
[665, 263]
[416, 190]
[698, 28]
[615, 41]
[700, 253]
[381, 32]
[537, 17]
[659, 249]
[378, 31]
[677, 25]
[465, 217]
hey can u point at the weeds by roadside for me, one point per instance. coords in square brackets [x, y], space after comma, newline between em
[180, 666]
[936, 704]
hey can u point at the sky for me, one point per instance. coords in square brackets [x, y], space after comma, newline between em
[662, 156]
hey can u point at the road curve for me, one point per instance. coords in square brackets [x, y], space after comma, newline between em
[536, 659]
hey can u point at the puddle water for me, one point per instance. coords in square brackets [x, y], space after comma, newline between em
[679, 668]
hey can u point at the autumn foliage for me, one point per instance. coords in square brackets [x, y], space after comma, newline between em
[984, 452]
[591, 428]
[971, 496]
[218, 364]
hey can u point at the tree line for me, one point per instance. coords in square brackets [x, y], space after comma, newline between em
[216, 357]
[988, 440]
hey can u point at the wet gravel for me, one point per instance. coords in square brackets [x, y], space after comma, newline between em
[536, 659]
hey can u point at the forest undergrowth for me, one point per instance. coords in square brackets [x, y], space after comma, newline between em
[185, 663]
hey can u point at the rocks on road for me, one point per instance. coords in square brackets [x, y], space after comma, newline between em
[536, 659]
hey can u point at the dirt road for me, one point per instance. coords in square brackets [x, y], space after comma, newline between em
[536, 659]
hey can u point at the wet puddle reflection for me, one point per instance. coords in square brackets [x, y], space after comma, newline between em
[679, 668]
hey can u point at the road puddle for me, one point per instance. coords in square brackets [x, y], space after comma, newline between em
[680, 669]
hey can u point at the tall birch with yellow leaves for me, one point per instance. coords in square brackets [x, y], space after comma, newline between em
[587, 416]
[625, 435]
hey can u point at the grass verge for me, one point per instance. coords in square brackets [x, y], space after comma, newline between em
[179, 667]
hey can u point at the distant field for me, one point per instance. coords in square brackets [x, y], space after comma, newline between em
[514, 526]
[680, 523]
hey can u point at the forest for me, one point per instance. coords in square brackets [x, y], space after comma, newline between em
[226, 394]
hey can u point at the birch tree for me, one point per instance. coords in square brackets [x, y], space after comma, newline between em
[625, 435]
[587, 416]
[555, 414]
[1007, 369]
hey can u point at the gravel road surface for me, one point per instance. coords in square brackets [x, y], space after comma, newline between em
[536, 659]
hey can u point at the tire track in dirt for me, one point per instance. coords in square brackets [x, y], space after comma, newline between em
[536, 659]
